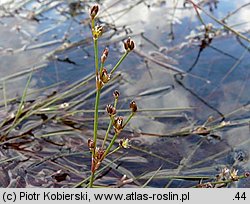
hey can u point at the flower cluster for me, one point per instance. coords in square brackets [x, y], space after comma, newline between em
[97, 32]
[227, 174]
[225, 177]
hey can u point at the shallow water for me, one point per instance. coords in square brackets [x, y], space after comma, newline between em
[167, 35]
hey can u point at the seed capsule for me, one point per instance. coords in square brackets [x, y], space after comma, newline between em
[99, 153]
[110, 110]
[99, 83]
[118, 124]
[104, 55]
[104, 77]
[116, 94]
[93, 11]
[129, 45]
[91, 144]
[133, 106]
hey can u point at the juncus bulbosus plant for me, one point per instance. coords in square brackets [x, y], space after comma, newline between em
[99, 149]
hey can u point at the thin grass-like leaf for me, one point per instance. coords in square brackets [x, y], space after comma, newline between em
[152, 154]
[33, 92]
[9, 159]
[20, 107]
[57, 133]
[121, 170]
[4, 95]
[150, 179]
[24, 72]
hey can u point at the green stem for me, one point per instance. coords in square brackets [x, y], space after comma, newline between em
[115, 102]
[101, 68]
[115, 150]
[107, 132]
[92, 24]
[116, 135]
[96, 55]
[91, 181]
[110, 145]
[97, 100]
[95, 46]
[110, 125]
[129, 118]
[119, 62]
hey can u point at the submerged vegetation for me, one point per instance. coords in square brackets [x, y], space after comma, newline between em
[65, 124]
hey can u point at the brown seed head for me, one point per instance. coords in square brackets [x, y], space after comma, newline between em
[133, 106]
[99, 83]
[116, 94]
[118, 124]
[104, 55]
[125, 46]
[93, 11]
[99, 153]
[104, 77]
[91, 144]
[247, 174]
[110, 110]
[129, 45]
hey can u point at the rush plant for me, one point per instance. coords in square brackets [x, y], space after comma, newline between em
[100, 149]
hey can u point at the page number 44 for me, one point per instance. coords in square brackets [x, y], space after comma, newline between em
[240, 196]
